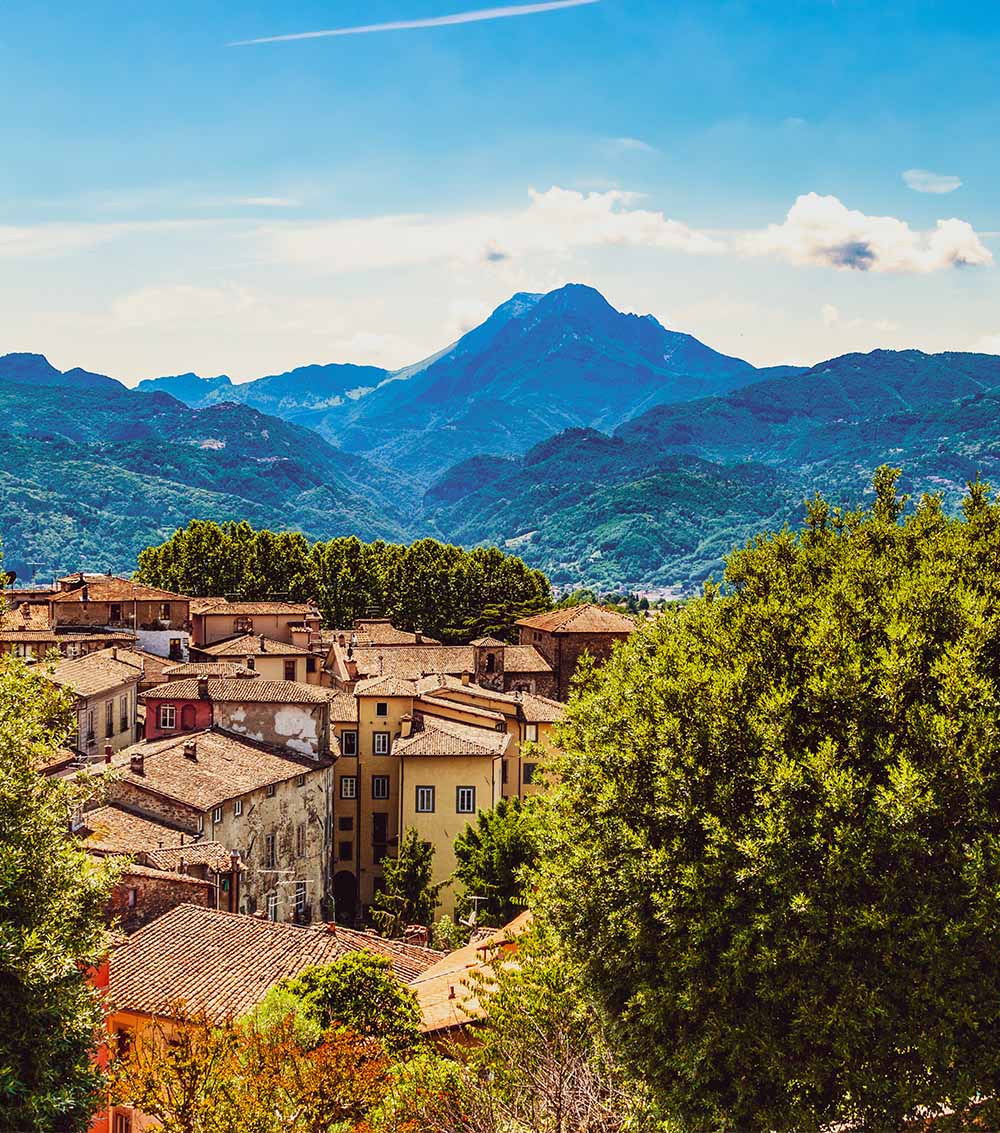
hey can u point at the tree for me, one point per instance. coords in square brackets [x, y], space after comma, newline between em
[788, 895]
[52, 900]
[253, 1075]
[360, 992]
[407, 894]
[493, 856]
[541, 1062]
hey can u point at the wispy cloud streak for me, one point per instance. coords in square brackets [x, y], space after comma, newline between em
[429, 22]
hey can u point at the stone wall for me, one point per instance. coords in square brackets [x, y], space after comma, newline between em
[139, 898]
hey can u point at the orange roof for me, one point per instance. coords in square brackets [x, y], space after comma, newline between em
[410, 662]
[434, 736]
[242, 690]
[114, 830]
[385, 686]
[109, 588]
[443, 993]
[224, 606]
[97, 672]
[581, 619]
[225, 963]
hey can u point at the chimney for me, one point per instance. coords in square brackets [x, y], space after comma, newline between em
[114, 652]
[203, 688]
[417, 934]
[420, 639]
[263, 647]
[331, 928]
[352, 669]
[190, 749]
[108, 750]
[451, 991]
[84, 593]
[136, 764]
[405, 727]
[466, 676]
[234, 884]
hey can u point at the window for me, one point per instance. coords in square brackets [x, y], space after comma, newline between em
[425, 800]
[175, 649]
[380, 786]
[531, 733]
[165, 611]
[270, 851]
[300, 840]
[349, 787]
[529, 773]
[133, 898]
[272, 906]
[188, 717]
[310, 664]
[242, 625]
[90, 725]
[168, 716]
[217, 814]
[491, 662]
[349, 743]
[503, 771]
[381, 708]
[345, 822]
[345, 851]
[300, 898]
[269, 791]
[380, 828]
[109, 719]
[123, 714]
[116, 611]
[290, 669]
[122, 1123]
[465, 800]
[237, 808]
[300, 781]
[380, 743]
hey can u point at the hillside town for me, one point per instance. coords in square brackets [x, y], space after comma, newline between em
[252, 773]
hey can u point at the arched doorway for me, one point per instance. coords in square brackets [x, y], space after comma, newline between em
[345, 897]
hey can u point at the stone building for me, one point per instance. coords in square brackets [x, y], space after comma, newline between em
[276, 660]
[25, 631]
[271, 805]
[563, 636]
[217, 619]
[105, 686]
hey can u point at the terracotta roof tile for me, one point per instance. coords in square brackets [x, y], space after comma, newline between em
[252, 644]
[381, 631]
[414, 661]
[224, 606]
[427, 702]
[385, 686]
[535, 709]
[95, 673]
[489, 642]
[225, 767]
[114, 830]
[245, 690]
[177, 672]
[588, 618]
[434, 736]
[211, 854]
[225, 963]
[109, 588]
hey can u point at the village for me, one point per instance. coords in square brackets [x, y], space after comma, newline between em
[252, 771]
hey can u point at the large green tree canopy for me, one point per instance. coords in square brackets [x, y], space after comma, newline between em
[775, 839]
[437, 588]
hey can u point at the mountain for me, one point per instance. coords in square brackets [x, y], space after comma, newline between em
[305, 391]
[88, 477]
[540, 363]
[37, 370]
[662, 500]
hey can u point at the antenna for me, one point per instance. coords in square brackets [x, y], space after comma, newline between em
[473, 918]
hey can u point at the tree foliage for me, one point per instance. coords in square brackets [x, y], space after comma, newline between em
[52, 899]
[788, 895]
[407, 895]
[541, 1062]
[360, 992]
[253, 1075]
[493, 857]
[433, 587]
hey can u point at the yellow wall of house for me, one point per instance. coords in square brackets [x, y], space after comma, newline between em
[93, 710]
[272, 668]
[446, 774]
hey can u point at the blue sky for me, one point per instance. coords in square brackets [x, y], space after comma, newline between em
[168, 202]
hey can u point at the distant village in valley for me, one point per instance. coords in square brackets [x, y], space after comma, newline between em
[254, 770]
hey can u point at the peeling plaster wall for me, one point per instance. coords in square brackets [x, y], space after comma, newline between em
[303, 728]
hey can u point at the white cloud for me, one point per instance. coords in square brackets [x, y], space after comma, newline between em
[474, 17]
[180, 304]
[822, 231]
[555, 222]
[923, 181]
[832, 317]
[64, 239]
[633, 145]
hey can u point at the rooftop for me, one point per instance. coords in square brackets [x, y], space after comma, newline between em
[114, 830]
[581, 619]
[241, 690]
[433, 736]
[96, 672]
[224, 767]
[225, 963]
[110, 588]
[535, 709]
[380, 631]
[178, 671]
[224, 606]
[253, 645]
[385, 686]
[414, 661]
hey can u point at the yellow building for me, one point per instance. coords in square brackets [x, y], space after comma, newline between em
[274, 660]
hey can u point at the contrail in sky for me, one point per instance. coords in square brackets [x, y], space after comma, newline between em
[429, 22]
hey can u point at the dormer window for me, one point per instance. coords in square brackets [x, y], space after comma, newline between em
[242, 625]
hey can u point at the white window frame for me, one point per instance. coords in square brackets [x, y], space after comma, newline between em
[424, 796]
[272, 906]
[167, 712]
[531, 733]
[383, 782]
[349, 786]
[470, 794]
[237, 808]
[217, 814]
[270, 790]
[353, 733]
[381, 743]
